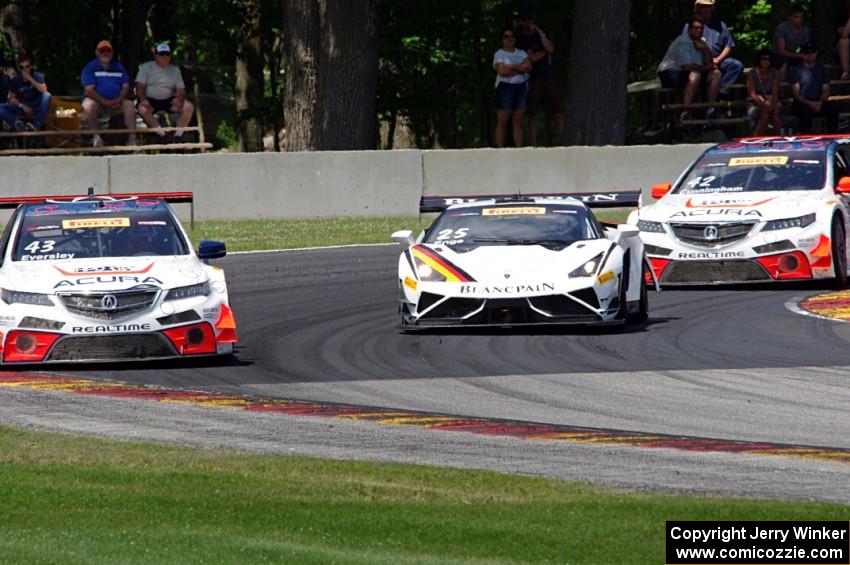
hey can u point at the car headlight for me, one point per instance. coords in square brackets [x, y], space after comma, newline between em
[428, 273]
[200, 289]
[798, 222]
[646, 225]
[31, 298]
[588, 269]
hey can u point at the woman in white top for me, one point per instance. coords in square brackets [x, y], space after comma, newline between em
[511, 66]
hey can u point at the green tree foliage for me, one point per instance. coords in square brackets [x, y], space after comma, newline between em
[435, 72]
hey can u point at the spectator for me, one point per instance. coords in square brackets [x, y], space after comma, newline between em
[511, 65]
[106, 86]
[810, 89]
[763, 89]
[688, 63]
[788, 37]
[28, 97]
[844, 46]
[542, 90]
[160, 88]
[716, 35]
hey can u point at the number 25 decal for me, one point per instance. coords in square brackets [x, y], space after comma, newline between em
[452, 234]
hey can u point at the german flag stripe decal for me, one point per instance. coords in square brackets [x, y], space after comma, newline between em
[452, 272]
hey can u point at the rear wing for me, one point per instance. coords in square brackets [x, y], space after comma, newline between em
[8, 202]
[616, 199]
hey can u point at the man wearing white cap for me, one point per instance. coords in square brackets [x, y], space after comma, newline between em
[160, 88]
[716, 35]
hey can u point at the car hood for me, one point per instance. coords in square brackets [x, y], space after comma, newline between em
[732, 206]
[83, 275]
[523, 263]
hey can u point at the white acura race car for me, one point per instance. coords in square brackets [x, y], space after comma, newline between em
[510, 260]
[751, 211]
[108, 278]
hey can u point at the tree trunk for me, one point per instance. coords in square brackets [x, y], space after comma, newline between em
[331, 74]
[131, 46]
[301, 110]
[827, 15]
[14, 21]
[778, 13]
[596, 89]
[348, 74]
[249, 78]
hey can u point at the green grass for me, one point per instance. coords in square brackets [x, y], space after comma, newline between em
[70, 499]
[255, 235]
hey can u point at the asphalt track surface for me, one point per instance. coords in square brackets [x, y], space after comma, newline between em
[321, 325]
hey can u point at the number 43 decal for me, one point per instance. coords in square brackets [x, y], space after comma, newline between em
[45, 246]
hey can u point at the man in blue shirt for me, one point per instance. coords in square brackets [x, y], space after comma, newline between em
[810, 89]
[716, 35]
[106, 86]
[28, 96]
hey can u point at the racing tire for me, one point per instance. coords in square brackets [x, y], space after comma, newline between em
[839, 252]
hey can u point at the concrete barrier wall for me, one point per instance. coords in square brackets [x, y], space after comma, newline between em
[335, 184]
[559, 169]
[285, 185]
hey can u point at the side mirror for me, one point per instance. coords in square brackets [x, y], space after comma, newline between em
[661, 189]
[626, 231]
[211, 250]
[843, 185]
[403, 238]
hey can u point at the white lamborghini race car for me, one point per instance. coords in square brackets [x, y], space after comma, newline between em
[509, 260]
[108, 278]
[753, 210]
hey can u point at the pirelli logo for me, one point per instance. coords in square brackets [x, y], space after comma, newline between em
[761, 160]
[525, 211]
[96, 223]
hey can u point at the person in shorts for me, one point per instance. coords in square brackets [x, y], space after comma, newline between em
[543, 91]
[763, 89]
[511, 66]
[160, 88]
[106, 86]
[687, 64]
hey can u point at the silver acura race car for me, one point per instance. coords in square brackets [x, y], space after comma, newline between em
[107, 278]
[510, 260]
[753, 210]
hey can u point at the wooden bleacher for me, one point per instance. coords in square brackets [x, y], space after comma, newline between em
[63, 135]
[664, 106]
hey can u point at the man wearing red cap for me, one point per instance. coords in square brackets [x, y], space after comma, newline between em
[106, 86]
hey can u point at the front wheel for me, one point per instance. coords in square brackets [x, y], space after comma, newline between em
[839, 253]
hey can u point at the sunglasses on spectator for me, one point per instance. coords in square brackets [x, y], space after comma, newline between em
[25, 67]
[104, 50]
[508, 36]
[698, 28]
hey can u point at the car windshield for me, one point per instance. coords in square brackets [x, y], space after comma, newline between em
[549, 225]
[754, 172]
[87, 230]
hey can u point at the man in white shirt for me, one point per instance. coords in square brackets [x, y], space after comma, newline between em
[160, 88]
[688, 63]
